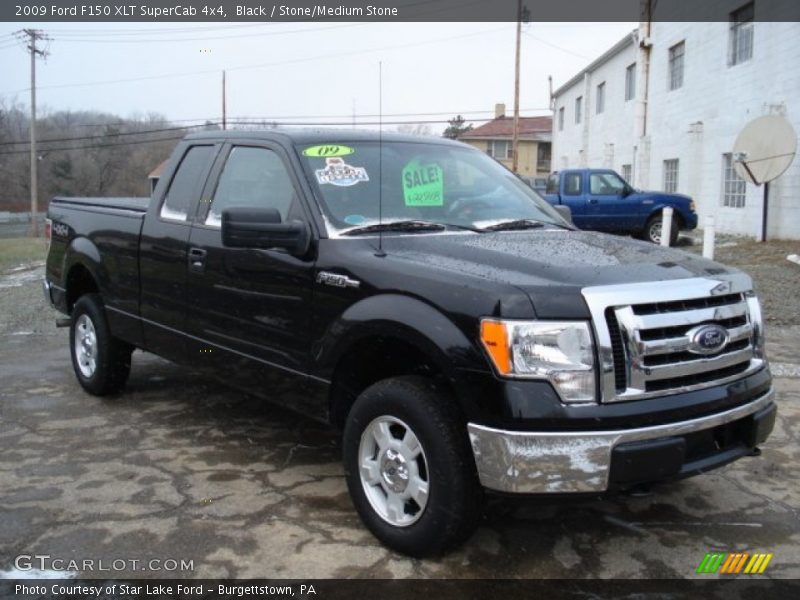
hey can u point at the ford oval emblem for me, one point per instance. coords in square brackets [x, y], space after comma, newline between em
[707, 339]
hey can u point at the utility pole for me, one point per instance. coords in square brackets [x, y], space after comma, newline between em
[515, 137]
[33, 35]
[224, 111]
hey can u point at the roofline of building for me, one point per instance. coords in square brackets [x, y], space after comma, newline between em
[621, 45]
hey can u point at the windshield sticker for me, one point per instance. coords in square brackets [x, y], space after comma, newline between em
[337, 172]
[355, 219]
[326, 150]
[423, 184]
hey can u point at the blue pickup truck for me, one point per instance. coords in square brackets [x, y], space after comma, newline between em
[601, 200]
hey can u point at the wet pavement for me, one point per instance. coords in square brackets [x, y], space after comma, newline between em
[180, 468]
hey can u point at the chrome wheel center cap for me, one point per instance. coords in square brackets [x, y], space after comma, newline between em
[394, 470]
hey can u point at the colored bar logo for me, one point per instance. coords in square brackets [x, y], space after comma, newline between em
[734, 563]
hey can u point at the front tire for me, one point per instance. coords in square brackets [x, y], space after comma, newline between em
[409, 467]
[652, 230]
[101, 362]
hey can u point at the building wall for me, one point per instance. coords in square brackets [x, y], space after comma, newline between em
[528, 156]
[600, 140]
[698, 122]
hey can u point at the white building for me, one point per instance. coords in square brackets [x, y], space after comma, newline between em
[664, 107]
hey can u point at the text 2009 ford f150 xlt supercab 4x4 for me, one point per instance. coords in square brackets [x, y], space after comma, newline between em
[419, 296]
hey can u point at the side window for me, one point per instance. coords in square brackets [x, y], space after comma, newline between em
[186, 183]
[572, 184]
[552, 184]
[252, 178]
[605, 184]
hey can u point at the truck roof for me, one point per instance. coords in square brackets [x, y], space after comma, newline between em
[322, 136]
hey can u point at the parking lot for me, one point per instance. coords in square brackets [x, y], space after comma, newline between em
[180, 468]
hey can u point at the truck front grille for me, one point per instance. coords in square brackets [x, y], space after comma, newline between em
[646, 347]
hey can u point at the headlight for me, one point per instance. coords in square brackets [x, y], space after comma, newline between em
[692, 206]
[560, 351]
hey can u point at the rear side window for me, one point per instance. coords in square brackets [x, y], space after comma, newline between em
[187, 183]
[252, 178]
[572, 184]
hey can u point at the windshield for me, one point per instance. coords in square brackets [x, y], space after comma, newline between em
[437, 183]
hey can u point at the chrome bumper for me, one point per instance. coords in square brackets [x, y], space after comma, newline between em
[528, 462]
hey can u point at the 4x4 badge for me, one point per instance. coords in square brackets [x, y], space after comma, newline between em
[337, 280]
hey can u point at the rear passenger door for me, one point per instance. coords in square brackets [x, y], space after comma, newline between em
[248, 309]
[572, 195]
[163, 252]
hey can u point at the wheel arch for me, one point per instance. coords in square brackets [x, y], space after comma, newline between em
[387, 336]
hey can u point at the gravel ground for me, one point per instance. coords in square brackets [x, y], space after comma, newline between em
[777, 280]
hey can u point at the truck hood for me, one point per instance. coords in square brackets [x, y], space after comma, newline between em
[551, 266]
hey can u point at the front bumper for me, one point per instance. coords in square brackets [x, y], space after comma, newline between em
[528, 462]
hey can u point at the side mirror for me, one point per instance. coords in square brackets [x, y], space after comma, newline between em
[565, 212]
[262, 228]
[627, 191]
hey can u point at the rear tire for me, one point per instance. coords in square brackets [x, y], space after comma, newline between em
[101, 362]
[409, 466]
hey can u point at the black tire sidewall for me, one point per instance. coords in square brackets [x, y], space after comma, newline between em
[453, 500]
[113, 364]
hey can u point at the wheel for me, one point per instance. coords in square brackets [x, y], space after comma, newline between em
[101, 362]
[409, 467]
[652, 230]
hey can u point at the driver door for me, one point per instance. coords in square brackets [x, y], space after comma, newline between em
[608, 203]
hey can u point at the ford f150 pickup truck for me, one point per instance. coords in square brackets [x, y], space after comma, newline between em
[601, 200]
[419, 296]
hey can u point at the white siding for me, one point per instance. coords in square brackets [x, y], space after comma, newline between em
[698, 122]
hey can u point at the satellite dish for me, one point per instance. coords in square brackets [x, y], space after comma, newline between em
[764, 149]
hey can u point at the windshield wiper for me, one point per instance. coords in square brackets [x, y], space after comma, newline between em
[515, 225]
[408, 226]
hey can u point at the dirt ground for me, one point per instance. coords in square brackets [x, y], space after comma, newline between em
[180, 467]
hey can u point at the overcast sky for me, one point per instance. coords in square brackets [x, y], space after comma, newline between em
[299, 70]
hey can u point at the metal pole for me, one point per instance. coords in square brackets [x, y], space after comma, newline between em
[765, 212]
[34, 191]
[515, 137]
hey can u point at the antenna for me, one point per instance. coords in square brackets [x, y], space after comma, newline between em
[380, 251]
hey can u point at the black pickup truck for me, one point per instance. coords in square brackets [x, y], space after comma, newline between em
[416, 294]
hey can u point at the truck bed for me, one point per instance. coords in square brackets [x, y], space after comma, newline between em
[131, 204]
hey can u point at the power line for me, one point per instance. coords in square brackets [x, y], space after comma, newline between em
[272, 64]
[96, 137]
[90, 146]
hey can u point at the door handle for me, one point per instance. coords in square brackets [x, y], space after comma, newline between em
[593, 200]
[197, 260]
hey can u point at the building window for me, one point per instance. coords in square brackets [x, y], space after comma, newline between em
[671, 175]
[741, 37]
[561, 119]
[500, 149]
[627, 172]
[578, 108]
[601, 97]
[734, 188]
[630, 82]
[543, 150]
[676, 66]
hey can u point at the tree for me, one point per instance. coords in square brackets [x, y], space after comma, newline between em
[456, 128]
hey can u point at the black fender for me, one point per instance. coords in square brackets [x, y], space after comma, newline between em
[413, 321]
[84, 253]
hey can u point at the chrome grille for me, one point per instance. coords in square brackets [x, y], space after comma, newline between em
[645, 348]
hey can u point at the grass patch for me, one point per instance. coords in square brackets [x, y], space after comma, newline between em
[21, 251]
